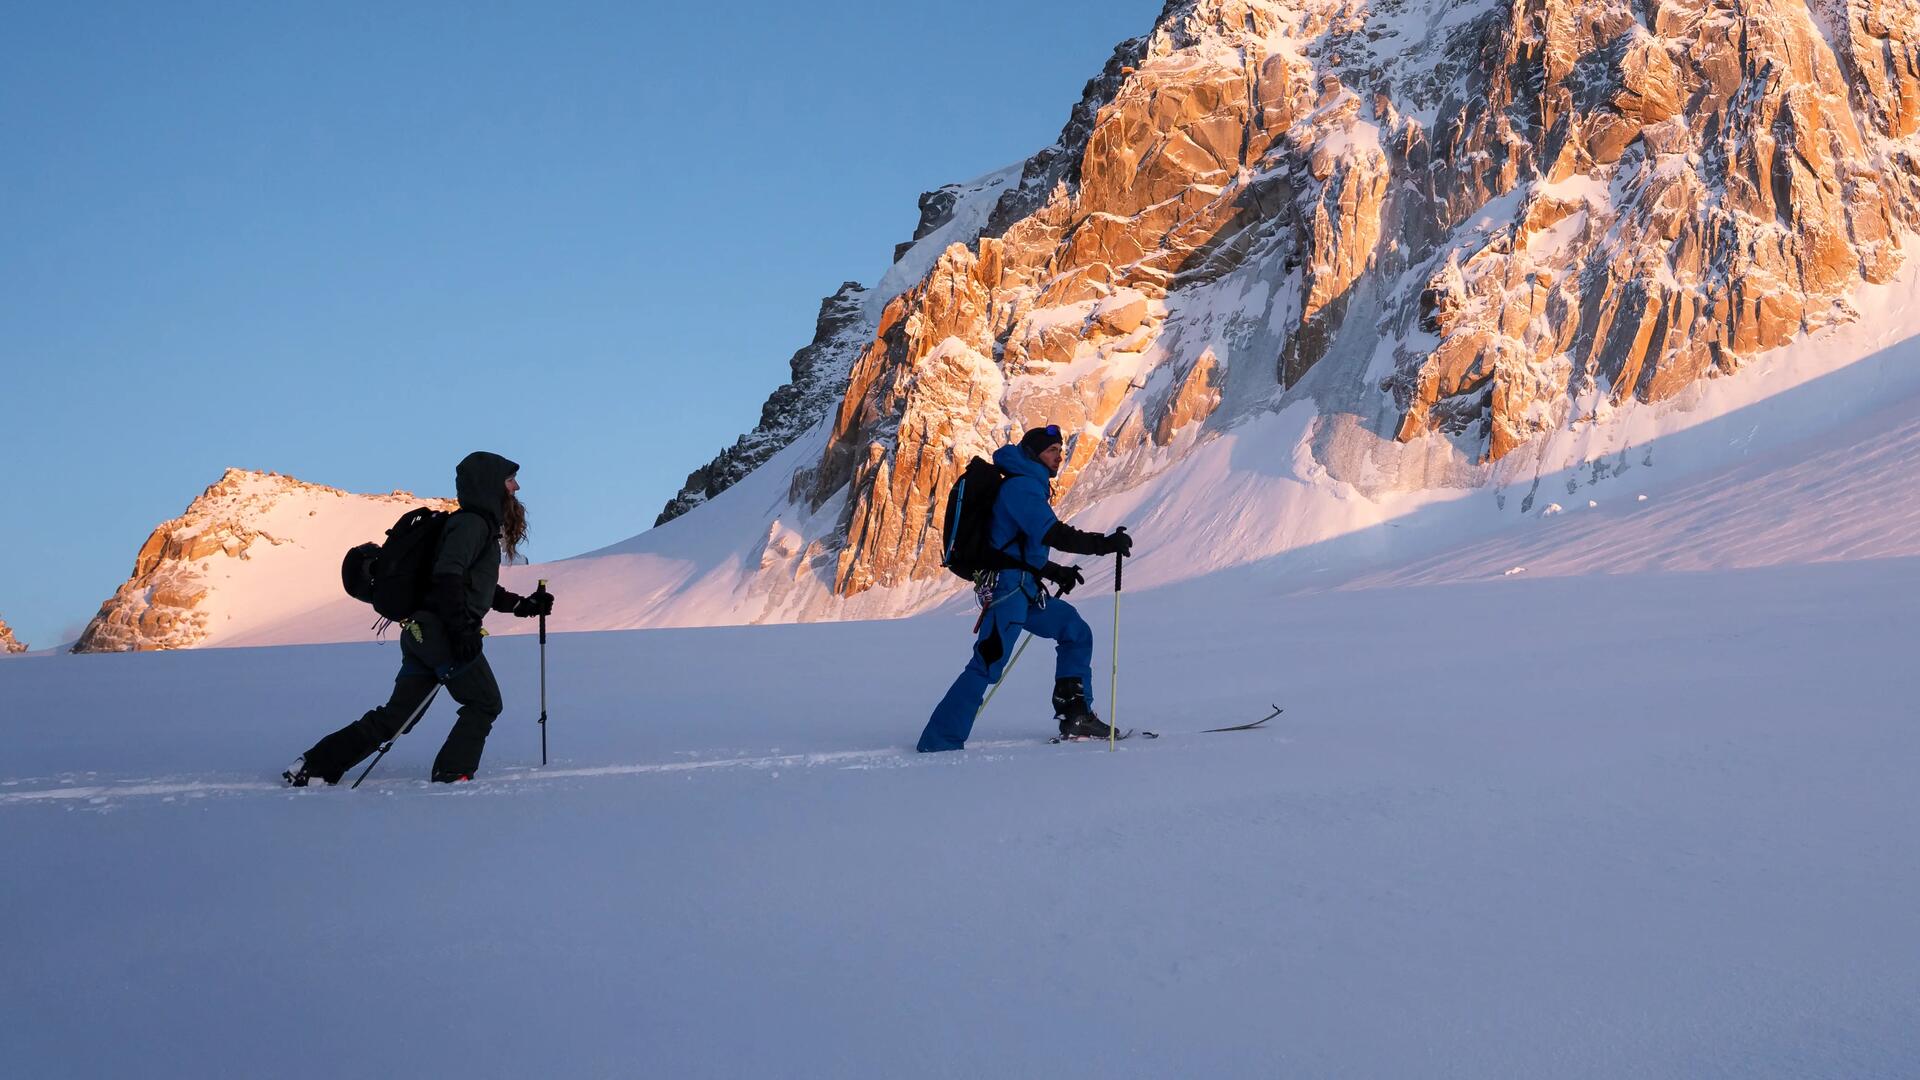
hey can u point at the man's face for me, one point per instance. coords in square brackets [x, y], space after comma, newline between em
[512, 485]
[1050, 457]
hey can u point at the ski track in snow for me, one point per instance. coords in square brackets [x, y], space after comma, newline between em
[97, 793]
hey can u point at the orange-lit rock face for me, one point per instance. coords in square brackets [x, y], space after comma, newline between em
[1463, 218]
[161, 605]
[1696, 189]
[8, 643]
[1192, 146]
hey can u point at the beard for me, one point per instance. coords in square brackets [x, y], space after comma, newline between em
[513, 527]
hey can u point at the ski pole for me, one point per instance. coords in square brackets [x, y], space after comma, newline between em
[1024, 641]
[388, 745]
[543, 680]
[1113, 689]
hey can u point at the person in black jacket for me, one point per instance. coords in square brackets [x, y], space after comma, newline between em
[442, 642]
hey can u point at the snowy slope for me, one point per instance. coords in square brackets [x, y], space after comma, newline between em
[1467, 849]
[281, 582]
[973, 204]
[1837, 498]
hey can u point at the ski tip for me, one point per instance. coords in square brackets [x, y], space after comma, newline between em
[1277, 710]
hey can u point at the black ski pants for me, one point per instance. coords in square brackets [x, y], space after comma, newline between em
[425, 659]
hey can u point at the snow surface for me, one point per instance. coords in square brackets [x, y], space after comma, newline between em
[1650, 825]
[1849, 495]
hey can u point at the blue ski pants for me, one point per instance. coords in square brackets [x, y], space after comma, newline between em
[1013, 610]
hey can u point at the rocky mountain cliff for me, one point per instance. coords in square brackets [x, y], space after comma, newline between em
[1451, 228]
[1312, 283]
[253, 547]
[8, 643]
[953, 214]
[819, 378]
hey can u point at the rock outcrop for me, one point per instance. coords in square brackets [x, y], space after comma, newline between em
[165, 604]
[1211, 147]
[1692, 183]
[1454, 225]
[819, 378]
[8, 643]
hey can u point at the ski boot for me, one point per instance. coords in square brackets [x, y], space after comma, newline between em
[296, 774]
[1077, 721]
[451, 777]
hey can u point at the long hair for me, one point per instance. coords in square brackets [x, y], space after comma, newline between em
[513, 530]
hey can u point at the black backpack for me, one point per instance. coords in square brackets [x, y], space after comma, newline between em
[394, 575]
[964, 548]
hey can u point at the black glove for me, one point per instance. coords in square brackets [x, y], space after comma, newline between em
[540, 603]
[1066, 577]
[1118, 543]
[522, 607]
[1065, 537]
[464, 640]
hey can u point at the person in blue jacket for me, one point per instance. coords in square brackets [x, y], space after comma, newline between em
[1025, 530]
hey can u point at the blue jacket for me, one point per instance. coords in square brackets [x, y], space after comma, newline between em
[1022, 514]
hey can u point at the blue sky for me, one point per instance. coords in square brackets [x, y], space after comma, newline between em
[350, 244]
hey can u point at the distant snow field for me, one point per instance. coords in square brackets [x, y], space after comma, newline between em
[1650, 824]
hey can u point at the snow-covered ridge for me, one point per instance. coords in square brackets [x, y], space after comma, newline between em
[256, 548]
[1410, 250]
[954, 214]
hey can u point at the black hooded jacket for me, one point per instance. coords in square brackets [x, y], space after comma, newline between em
[470, 540]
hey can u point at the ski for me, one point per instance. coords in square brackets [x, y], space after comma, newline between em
[1277, 710]
[1127, 734]
[1254, 726]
